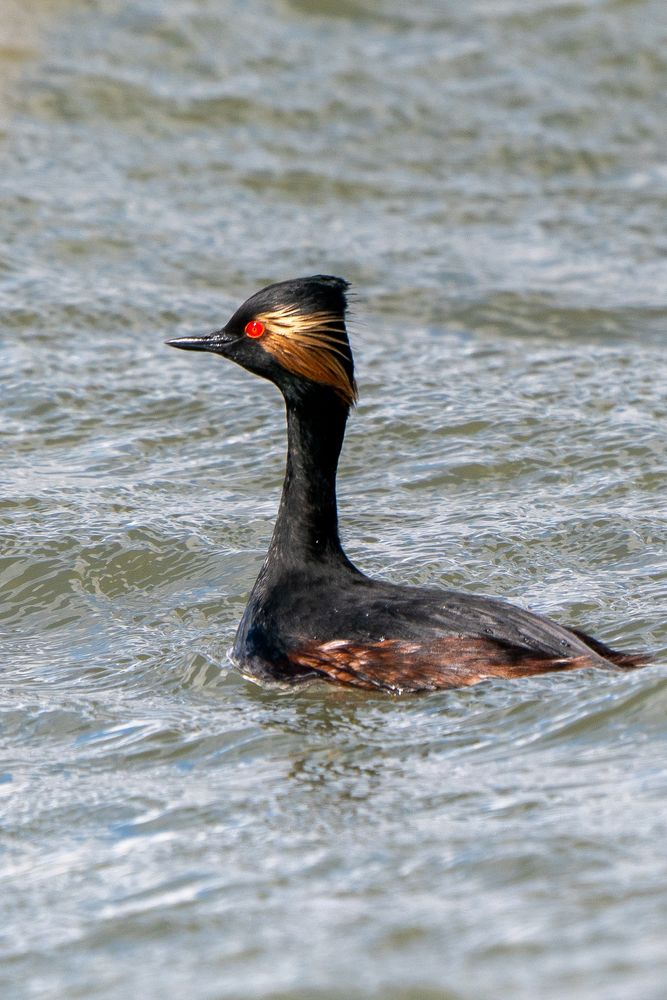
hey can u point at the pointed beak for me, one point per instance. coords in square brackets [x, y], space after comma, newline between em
[217, 342]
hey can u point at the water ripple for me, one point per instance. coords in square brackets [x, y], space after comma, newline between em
[491, 178]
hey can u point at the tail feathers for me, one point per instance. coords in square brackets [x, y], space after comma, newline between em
[626, 661]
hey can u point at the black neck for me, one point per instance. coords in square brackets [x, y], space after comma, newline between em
[306, 529]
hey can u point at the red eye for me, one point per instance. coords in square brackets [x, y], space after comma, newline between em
[254, 328]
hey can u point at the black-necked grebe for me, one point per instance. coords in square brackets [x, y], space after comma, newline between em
[311, 613]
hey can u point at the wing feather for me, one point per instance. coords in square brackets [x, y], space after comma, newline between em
[398, 666]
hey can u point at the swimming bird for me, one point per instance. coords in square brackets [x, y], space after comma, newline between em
[311, 613]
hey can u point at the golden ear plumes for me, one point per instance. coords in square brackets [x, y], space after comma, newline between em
[309, 344]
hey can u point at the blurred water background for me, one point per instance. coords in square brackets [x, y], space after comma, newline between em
[492, 176]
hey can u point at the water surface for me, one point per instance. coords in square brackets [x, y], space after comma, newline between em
[492, 177]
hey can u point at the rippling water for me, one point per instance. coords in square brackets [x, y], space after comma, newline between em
[493, 179]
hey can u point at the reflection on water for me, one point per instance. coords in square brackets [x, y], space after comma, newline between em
[491, 177]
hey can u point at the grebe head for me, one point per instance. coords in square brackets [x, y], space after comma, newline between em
[292, 333]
